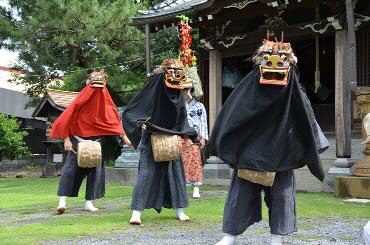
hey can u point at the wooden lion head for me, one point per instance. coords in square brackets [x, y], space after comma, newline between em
[98, 79]
[175, 76]
[274, 59]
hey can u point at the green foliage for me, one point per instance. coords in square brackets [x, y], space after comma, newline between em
[12, 145]
[68, 38]
[133, 81]
[73, 81]
[55, 37]
[166, 44]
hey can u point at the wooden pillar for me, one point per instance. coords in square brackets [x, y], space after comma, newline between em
[49, 155]
[351, 40]
[215, 85]
[342, 96]
[148, 51]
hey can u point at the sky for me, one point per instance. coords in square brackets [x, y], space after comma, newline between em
[7, 58]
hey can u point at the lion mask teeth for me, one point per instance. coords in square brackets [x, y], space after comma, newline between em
[175, 76]
[98, 79]
[275, 59]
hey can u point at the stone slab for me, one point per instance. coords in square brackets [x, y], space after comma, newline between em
[358, 201]
[214, 160]
[122, 176]
[216, 171]
[49, 170]
[329, 179]
[224, 182]
[351, 186]
[344, 163]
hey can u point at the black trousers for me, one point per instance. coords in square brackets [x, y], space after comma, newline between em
[72, 177]
[244, 204]
[158, 185]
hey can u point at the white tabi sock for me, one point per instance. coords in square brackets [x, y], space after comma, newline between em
[90, 207]
[181, 215]
[227, 240]
[62, 204]
[275, 239]
[196, 193]
[135, 218]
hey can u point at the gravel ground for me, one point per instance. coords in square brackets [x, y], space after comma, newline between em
[312, 232]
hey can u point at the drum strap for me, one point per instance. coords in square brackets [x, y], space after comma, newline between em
[80, 140]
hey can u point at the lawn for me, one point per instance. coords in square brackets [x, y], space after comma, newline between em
[28, 216]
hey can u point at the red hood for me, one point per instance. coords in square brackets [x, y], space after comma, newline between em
[92, 113]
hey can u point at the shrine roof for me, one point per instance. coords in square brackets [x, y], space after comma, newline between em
[57, 99]
[170, 9]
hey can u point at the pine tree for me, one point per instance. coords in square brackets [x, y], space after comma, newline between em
[67, 37]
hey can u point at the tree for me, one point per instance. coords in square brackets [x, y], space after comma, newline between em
[68, 37]
[12, 144]
[166, 44]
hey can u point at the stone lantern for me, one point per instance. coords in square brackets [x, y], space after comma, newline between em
[362, 167]
[358, 185]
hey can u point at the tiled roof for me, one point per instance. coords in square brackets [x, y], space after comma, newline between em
[168, 8]
[171, 6]
[62, 98]
[58, 99]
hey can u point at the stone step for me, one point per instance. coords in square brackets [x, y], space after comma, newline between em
[352, 186]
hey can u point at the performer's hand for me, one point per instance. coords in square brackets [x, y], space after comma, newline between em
[188, 142]
[143, 126]
[67, 144]
[202, 143]
[125, 140]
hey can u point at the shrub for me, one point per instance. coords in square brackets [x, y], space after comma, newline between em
[12, 144]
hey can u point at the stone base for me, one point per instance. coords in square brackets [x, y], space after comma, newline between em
[213, 174]
[49, 170]
[306, 182]
[217, 171]
[342, 167]
[351, 186]
[357, 201]
[362, 167]
[123, 176]
[217, 174]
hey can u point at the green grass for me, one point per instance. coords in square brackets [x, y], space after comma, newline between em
[316, 205]
[27, 212]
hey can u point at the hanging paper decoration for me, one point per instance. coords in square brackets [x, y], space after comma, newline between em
[186, 55]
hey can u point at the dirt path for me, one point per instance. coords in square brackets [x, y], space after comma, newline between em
[313, 232]
[325, 231]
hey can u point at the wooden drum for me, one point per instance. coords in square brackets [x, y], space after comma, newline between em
[165, 147]
[88, 154]
[258, 177]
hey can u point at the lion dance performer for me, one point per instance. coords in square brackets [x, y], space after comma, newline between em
[159, 110]
[265, 130]
[91, 116]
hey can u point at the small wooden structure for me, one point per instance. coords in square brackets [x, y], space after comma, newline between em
[51, 106]
[322, 33]
[54, 103]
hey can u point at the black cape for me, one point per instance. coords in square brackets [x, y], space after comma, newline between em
[266, 128]
[164, 107]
